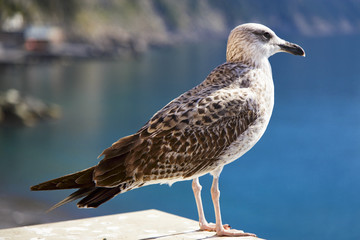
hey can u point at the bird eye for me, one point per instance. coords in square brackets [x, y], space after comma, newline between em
[267, 35]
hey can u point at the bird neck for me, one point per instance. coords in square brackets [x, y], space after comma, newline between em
[251, 61]
[264, 85]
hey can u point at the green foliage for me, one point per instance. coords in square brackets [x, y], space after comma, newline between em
[59, 11]
[10, 7]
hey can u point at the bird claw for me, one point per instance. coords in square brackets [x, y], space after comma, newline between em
[234, 233]
[211, 227]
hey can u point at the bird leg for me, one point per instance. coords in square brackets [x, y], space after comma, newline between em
[204, 225]
[220, 230]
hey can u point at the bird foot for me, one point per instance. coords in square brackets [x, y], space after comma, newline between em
[211, 227]
[234, 233]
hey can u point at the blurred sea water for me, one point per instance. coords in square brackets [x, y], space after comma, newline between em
[301, 181]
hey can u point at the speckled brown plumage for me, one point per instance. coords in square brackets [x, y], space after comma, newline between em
[186, 137]
[197, 133]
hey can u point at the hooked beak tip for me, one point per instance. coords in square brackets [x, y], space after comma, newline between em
[292, 48]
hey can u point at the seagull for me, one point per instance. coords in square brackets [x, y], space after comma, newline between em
[199, 132]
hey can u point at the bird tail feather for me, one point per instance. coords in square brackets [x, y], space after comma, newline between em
[98, 196]
[93, 197]
[72, 197]
[93, 194]
[82, 179]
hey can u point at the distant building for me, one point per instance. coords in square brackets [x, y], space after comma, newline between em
[39, 38]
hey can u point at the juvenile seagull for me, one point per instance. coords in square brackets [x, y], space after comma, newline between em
[197, 133]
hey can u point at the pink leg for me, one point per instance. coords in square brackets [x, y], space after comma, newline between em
[204, 225]
[220, 230]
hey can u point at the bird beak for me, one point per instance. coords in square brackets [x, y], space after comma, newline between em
[292, 48]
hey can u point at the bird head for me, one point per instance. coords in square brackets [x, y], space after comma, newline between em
[251, 43]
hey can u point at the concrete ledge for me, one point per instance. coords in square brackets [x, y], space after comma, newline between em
[143, 225]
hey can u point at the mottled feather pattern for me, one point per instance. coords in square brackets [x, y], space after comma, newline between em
[187, 136]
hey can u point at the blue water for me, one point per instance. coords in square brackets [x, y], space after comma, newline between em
[301, 181]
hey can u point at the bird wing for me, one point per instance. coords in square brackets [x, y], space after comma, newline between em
[185, 138]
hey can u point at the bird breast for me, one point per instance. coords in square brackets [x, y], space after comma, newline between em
[263, 88]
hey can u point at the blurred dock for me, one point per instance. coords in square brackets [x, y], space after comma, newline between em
[40, 51]
[145, 225]
[43, 43]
